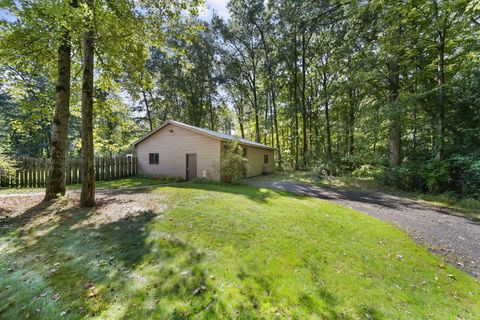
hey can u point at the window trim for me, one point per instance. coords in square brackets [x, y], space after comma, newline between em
[153, 158]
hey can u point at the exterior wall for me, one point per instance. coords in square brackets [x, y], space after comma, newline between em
[256, 166]
[172, 148]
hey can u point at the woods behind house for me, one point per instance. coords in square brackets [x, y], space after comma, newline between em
[374, 86]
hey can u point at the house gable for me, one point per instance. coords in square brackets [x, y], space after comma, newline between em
[173, 143]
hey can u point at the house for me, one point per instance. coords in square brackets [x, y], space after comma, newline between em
[180, 150]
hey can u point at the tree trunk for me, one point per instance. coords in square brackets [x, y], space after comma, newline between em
[328, 135]
[304, 103]
[212, 112]
[242, 130]
[395, 128]
[394, 114]
[275, 123]
[56, 177]
[149, 116]
[87, 197]
[414, 156]
[295, 101]
[351, 120]
[265, 120]
[440, 96]
[255, 106]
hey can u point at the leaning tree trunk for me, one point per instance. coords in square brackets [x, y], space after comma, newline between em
[56, 177]
[87, 197]
[147, 106]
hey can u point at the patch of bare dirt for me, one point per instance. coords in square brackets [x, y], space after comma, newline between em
[29, 213]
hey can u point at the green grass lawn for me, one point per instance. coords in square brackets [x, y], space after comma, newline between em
[100, 185]
[468, 207]
[208, 251]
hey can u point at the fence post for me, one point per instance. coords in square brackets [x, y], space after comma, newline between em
[102, 168]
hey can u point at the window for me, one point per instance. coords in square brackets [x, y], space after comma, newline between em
[153, 158]
[265, 158]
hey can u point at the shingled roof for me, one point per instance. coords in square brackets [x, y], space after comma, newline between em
[214, 134]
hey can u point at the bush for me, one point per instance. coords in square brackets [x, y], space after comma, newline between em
[404, 177]
[232, 163]
[465, 171]
[428, 176]
[329, 168]
[435, 175]
[7, 166]
[368, 171]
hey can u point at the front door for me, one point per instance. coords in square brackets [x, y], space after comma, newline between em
[191, 166]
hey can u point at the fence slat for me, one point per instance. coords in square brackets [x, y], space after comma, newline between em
[96, 168]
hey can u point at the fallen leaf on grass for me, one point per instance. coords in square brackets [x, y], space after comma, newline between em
[88, 285]
[199, 290]
[92, 293]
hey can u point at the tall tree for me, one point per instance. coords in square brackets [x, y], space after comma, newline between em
[87, 196]
[56, 177]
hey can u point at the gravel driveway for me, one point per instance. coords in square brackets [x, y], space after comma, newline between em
[454, 238]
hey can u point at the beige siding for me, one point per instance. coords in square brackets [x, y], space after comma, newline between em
[256, 165]
[173, 147]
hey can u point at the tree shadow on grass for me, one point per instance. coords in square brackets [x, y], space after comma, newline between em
[9, 222]
[254, 193]
[80, 267]
[131, 267]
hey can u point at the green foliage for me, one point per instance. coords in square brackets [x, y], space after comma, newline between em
[7, 166]
[435, 175]
[124, 32]
[233, 164]
[428, 176]
[466, 174]
[328, 168]
[369, 171]
[114, 129]
[311, 78]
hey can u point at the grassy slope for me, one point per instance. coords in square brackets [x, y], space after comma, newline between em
[99, 185]
[466, 206]
[221, 252]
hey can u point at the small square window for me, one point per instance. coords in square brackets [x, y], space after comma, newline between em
[153, 158]
[265, 158]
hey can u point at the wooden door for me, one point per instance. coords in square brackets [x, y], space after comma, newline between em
[191, 166]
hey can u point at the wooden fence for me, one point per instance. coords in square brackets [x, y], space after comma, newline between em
[33, 172]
